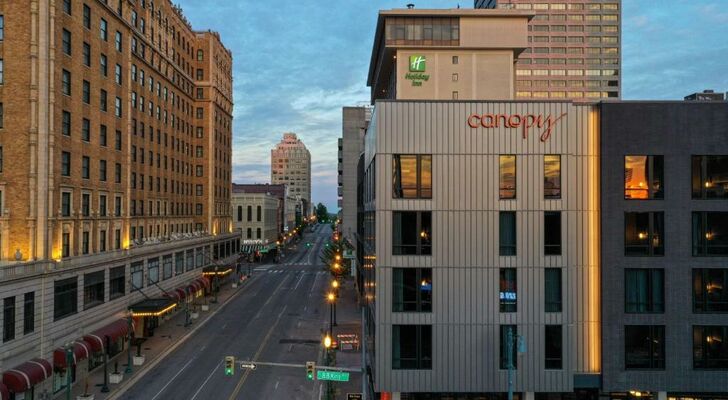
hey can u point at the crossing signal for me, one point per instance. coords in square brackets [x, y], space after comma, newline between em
[229, 366]
[310, 367]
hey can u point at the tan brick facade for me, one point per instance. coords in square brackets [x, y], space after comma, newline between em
[167, 121]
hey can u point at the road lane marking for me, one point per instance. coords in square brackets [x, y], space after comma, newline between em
[257, 354]
[277, 382]
[298, 283]
[175, 376]
[206, 380]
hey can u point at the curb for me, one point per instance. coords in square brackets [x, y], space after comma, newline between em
[126, 384]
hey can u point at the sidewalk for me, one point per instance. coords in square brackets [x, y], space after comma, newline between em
[170, 334]
[348, 318]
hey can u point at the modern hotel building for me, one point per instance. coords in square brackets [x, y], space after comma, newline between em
[115, 132]
[483, 220]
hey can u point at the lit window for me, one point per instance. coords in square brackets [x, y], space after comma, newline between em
[710, 177]
[643, 177]
[412, 176]
[508, 290]
[710, 233]
[552, 176]
[507, 176]
[644, 233]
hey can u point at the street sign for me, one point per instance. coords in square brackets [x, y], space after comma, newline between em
[248, 365]
[338, 376]
[354, 396]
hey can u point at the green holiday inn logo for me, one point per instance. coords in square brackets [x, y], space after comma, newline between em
[417, 63]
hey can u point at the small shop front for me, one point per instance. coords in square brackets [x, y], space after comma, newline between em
[26, 380]
[147, 313]
[77, 358]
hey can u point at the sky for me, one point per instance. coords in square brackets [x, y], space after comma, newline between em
[296, 63]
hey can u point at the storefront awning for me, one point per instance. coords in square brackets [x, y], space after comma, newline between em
[251, 248]
[152, 307]
[114, 331]
[178, 294]
[81, 351]
[4, 393]
[213, 270]
[26, 375]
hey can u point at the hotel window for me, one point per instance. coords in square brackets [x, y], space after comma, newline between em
[8, 319]
[102, 100]
[117, 206]
[118, 41]
[66, 42]
[85, 244]
[411, 347]
[28, 313]
[552, 232]
[117, 281]
[117, 74]
[117, 107]
[200, 55]
[85, 167]
[412, 290]
[103, 65]
[117, 239]
[93, 289]
[65, 80]
[2, 27]
[102, 205]
[710, 290]
[710, 233]
[103, 30]
[86, 92]
[65, 163]
[644, 347]
[85, 204]
[507, 233]
[553, 353]
[710, 177]
[643, 177]
[153, 270]
[102, 135]
[552, 290]
[412, 176]
[86, 16]
[507, 173]
[65, 299]
[65, 244]
[710, 347]
[65, 204]
[137, 275]
[102, 170]
[552, 176]
[644, 290]
[508, 301]
[412, 232]
[644, 233]
[117, 173]
[505, 331]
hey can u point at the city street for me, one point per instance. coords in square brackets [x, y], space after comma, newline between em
[278, 317]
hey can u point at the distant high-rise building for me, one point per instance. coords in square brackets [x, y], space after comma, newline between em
[706, 95]
[291, 165]
[351, 145]
[574, 49]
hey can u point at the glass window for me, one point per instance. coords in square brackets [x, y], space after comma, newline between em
[412, 176]
[65, 163]
[710, 177]
[644, 234]
[710, 293]
[86, 92]
[103, 30]
[65, 204]
[643, 177]
[65, 81]
[507, 233]
[118, 41]
[29, 313]
[710, 233]
[66, 42]
[710, 347]
[644, 290]
[552, 289]
[93, 289]
[644, 347]
[508, 290]
[137, 275]
[166, 266]
[8, 319]
[508, 340]
[554, 343]
[552, 176]
[117, 281]
[86, 16]
[65, 299]
[153, 270]
[411, 347]
[552, 233]
[412, 232]
[85, 167]
[412, 289]
[2, 27]
[507, 164]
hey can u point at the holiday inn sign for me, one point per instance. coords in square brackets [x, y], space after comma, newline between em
[417, 67]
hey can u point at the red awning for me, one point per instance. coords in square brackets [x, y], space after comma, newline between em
[174, 295]
[28, 374]
[81, 351]
[4, 393]
[204, 282]
[113, 330]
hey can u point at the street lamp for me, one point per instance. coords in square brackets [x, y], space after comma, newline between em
[130, 327]
[332, 301]
[335, 285]
[69, 360]
[327, 342]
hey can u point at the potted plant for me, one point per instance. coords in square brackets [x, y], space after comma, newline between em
[86, 395]
[138, 359]
[116, 377]
[194, 313]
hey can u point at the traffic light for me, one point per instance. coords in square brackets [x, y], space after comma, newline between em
[229, 366]
[310, 369]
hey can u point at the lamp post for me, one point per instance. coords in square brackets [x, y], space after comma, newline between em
[335, 285]
[69, 360]
[105, 386]
[215, 284]
[332, 301]
[130, 335]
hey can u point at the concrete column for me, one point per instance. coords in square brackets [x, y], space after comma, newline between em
[661, 395]
[529, 395]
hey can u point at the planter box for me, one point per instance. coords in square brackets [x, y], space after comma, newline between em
[89, 397]
[115, 378]
[235, 285]
[138, 360]
[205, 307]
[194, 315]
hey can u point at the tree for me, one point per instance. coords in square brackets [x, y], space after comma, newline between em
[322, 214]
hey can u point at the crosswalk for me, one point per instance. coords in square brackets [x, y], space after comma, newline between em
[281, 271]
